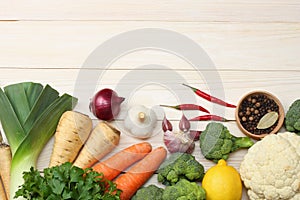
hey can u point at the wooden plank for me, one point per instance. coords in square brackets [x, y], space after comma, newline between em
[234, 84]
[231, 46]
[7, 11]
[141, 87]
[160, 10]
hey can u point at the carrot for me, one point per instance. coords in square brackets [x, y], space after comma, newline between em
[5, 164]
[102, 141]
[140, 173]
[2, 192]
[118, 162]
[71, 133]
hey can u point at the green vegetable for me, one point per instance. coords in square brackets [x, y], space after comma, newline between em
[216, 142]
[292, 118]
[180, 166]
[67, 182]
[29, 116]
[184, 190]
[151, 192]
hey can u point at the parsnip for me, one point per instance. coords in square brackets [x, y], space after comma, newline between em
[2, 192]
[5, 165]
[72, 132]
[103, 139]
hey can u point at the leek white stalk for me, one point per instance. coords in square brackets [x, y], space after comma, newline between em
[29, 131]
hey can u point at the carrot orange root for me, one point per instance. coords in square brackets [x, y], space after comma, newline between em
[103, 139]
[72, 131]
[118, 162]
[140, 173]
[5, 164]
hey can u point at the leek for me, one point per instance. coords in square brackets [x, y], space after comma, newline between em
[13, 129]
[29, 131]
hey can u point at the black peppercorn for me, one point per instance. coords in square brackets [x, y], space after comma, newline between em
[255, 107]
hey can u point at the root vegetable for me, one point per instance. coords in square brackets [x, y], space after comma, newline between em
[2, 192]
[137, 175]
[5, 165]
[101, 141]
[72, 131]
[115, 164]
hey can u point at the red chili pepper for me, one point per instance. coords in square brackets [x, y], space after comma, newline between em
[210, 117]
[187, 107]
[210, 98]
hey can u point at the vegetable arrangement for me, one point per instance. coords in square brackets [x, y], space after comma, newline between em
[77, 171]
[29, 111]
[179, 173]
[184, 140]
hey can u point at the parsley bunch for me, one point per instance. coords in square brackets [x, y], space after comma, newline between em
[67, 182]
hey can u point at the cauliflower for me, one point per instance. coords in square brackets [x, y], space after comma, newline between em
[271, 168]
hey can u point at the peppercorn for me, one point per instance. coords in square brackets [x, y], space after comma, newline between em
[255, 107]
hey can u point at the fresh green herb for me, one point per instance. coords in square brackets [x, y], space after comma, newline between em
[29, 116]
[67, 182]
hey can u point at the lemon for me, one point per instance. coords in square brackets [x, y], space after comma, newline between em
[222, 182]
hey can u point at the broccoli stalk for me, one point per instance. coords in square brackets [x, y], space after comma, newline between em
[241, 142]
[216, 142]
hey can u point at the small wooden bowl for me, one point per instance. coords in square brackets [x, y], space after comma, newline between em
[279, 121]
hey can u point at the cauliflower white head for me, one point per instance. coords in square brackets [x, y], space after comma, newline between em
[271, 168]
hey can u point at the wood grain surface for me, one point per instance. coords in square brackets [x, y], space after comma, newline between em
[253, 45]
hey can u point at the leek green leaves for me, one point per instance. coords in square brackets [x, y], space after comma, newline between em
[29, 114]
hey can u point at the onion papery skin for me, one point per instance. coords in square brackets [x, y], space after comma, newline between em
[106, 104]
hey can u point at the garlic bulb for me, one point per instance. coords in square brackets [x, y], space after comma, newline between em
[140, 121]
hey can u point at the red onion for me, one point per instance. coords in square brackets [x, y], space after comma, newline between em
[166, 125]
[105, 104]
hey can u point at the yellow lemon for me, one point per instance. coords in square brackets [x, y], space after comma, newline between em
[222, 182]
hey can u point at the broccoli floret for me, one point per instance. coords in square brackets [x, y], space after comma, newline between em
[184, 190]
[292, 118]
[216, 142]
[151, 192]
[178, 166]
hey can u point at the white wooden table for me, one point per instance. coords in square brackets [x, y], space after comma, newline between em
[252, 44]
